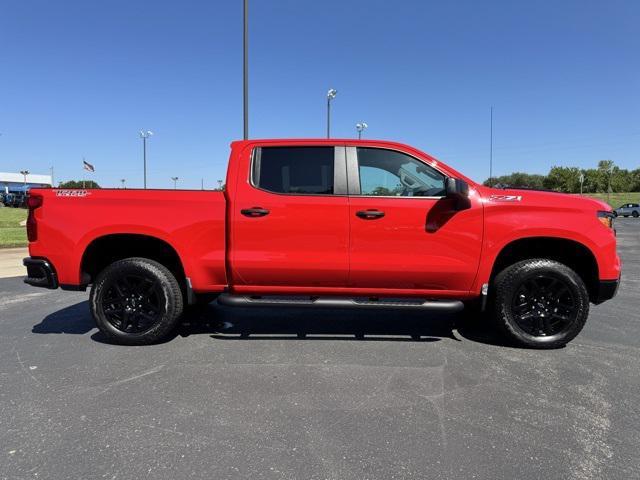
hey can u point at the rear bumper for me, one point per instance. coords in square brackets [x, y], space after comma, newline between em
[40, 273]
[607, 289]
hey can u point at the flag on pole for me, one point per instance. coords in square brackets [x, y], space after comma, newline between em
[87, 166]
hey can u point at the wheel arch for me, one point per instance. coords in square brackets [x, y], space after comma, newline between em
[106, 249]
[571, 253]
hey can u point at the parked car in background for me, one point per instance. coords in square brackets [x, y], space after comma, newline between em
[328, 223]
[627, 209]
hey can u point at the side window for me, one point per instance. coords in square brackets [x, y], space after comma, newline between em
[390, 173]
[295, 170]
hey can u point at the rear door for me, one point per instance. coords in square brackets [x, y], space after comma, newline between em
[404, 233]
[290, 218]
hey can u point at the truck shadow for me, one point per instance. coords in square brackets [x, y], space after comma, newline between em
[290, 323]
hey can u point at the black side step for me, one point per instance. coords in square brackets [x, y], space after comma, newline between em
[340, 302]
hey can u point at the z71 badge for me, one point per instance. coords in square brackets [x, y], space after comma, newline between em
[505, 198]
[72, 193]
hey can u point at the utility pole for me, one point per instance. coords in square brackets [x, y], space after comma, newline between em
[175, 180]
[491, 149]
[52, 181]
[581, 182]
[202, 184]
[220, 185]
[144, 135]
[245, 68]
[331, 94]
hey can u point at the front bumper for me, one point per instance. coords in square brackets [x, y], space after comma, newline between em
[607, 289]
[40, 273]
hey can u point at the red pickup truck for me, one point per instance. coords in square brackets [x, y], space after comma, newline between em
[328, 223]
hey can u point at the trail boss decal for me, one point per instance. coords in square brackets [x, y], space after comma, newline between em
[505, 198]
[72, 193]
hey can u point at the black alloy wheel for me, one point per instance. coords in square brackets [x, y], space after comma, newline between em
[136, 301]
[132, 303]
[540, 303]
[544, 305]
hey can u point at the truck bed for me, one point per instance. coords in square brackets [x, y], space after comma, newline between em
[191, 222]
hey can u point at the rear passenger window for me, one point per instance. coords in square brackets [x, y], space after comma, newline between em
[296, 170]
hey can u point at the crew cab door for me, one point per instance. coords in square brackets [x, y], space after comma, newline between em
[404, 233]
[290, 218]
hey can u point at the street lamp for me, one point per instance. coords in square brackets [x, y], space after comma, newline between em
[331, 94]
[123, 180]
[360, 127]
[175, 179]
[144, 135]
[24, 176]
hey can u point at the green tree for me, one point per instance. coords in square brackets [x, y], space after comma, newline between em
[79, 184]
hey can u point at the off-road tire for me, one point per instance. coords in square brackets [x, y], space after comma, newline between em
[166, 296]
[514, 280]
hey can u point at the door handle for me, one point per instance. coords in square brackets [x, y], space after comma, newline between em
[254, 212]
[370, 214]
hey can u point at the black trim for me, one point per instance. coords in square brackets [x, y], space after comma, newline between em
[607, 289]
[40, 273]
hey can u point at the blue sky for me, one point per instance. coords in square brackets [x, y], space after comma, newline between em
[80, 78]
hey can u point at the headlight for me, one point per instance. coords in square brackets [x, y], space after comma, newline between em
[606, 218]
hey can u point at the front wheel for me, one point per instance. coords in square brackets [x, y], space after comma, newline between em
[540, 303]
[635, 214]
[136, 301]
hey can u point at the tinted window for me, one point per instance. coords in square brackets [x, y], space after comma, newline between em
[294, 169]
[391, 173]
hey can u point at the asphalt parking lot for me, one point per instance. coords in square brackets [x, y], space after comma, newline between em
[294, 394]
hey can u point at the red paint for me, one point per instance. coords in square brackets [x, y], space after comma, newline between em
[315, 244]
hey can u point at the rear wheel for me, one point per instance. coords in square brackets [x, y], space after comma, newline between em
[136, 301]
[635, 214]
[540, 303]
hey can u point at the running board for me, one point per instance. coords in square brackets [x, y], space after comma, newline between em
[449, 306]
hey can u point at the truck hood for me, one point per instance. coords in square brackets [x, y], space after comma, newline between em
[541, 198]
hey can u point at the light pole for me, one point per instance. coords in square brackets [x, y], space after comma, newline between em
[220, 185]
[491, 148]
[24, 177]
[175, 179]
[360, 127]
[245, 67]
[331, 94]
[581, 177]
[144, 134]
[123, 180]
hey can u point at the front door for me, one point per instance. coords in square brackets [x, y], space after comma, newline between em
[290, 224]
[404, 233]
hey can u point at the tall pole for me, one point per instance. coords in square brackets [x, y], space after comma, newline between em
[245, 68]
[144, 159]
[202, 184]
[328, 116]
[52, 182]
[175, 180]
[331, 94]
[123, 180]
[491, 149]
[144, 134]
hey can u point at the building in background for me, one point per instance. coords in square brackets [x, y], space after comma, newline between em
[15, 182]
